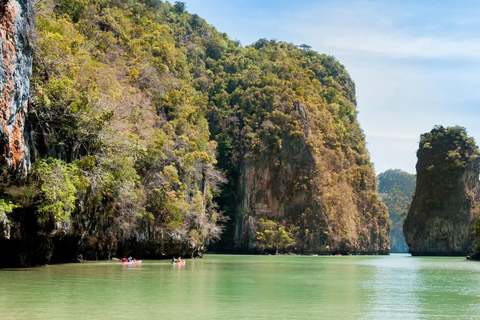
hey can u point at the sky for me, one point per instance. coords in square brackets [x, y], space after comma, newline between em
[415, 64]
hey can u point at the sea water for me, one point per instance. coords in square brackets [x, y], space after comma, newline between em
[247, 287]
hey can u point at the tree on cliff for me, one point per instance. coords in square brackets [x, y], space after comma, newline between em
[272, 236]
[444, 208]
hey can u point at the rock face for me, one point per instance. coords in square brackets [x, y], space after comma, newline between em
[286, 187]
[443, 210]
[396, 187]
[273, 187]
[311, 196]
[4, 226]
[16, 51]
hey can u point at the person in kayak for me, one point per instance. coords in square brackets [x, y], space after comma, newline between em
[124, 259]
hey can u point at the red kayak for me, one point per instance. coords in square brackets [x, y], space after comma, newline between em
[179, 262]
[132, 262]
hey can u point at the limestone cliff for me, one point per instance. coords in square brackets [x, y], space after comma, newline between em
[136, 105]
[296, 157]
[290, 188]
[443, 210]
[16, 52]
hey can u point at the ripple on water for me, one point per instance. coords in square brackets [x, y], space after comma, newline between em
[248, 287]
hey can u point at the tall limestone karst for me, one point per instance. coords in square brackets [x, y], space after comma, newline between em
[153, 134]
[396, 187]
[443, 211]
[285, 121]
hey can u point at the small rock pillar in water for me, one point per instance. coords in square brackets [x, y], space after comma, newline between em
[444, 207]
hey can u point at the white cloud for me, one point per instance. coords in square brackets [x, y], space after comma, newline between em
[395, 45]
[394, 29]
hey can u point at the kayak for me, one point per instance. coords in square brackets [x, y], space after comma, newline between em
[133, 262]
[179, 262]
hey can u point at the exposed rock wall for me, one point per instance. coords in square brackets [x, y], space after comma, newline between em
[273, 187]
[398, 244]
[4, 226]
[16, 51]
[293, 188]
[443, 210]
[300, 176]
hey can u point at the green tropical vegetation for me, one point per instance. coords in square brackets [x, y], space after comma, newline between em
[448, 151]
[272, 236]
[114, 102]
[441, 217]
[142, 116]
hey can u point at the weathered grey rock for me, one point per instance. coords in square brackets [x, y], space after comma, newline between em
[284, 186]
[443, 210]
[17, 29]
[4, 226]
[16, 51]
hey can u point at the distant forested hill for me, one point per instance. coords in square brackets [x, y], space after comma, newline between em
[396, 187]
[152, 133]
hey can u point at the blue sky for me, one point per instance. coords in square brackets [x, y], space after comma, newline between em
[415, 63]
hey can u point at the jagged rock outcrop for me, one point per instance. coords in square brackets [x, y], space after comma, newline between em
[16, 50]
[444, 208]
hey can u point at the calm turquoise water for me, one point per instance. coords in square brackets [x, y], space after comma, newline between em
[248, 287]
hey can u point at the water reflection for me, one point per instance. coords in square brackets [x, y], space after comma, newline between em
[395, 282]
[423, 288]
